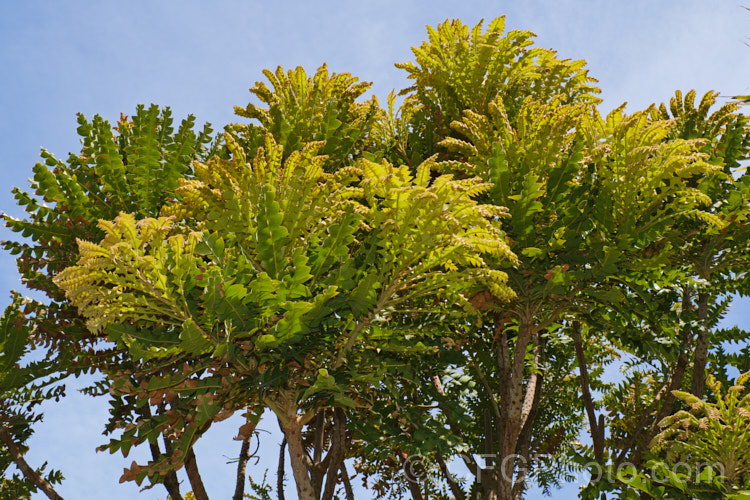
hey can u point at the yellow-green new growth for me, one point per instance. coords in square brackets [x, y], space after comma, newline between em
[715, 434]
[267, 224]
[126, 277]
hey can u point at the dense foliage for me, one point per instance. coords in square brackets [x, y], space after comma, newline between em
[403, 288]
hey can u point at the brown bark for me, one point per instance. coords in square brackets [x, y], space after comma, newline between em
[347, 483]
[488, 436]
[171, 483]
[513, 408]
[194, 476]
[503, 368]
[458, 493]
[239, 486]
[280, 471]
[643, 432]
[27, 471]
[520, 484]
[297, 457]
[335, 456]
[314, 468]
[597, 435]
[698, 384]
[411, 479]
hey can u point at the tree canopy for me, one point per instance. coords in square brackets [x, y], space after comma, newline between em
[442, 279]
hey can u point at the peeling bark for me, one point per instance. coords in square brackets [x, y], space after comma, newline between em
[297, 454]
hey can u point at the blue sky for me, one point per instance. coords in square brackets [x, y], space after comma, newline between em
[60, 58]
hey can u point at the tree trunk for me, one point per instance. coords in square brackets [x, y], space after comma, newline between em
[293, 432]
[515, 411]
[698, 384]
[336, 453]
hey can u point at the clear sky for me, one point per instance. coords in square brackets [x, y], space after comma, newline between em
[60, 58]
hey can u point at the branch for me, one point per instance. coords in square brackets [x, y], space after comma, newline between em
[239, 487]
[280, 471]
[347, 483]
[532, 400]
[191, 467]
[351, 340]
[488, 436]
[486, 384]
[25, 468]
[319, 436]
[455, 489]
[513, 406]
[534, 386]
[597, 434]
[520, 483]
[171, 483]
[438, 386]
[455, 429]
[335, 455]
[637, 433]
[314, 463]
[411, 479]
[503, 369]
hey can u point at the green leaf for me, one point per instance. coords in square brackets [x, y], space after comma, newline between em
[192, 338]
[532, 252]
[13, 335]
[271, 235]
[266, 341]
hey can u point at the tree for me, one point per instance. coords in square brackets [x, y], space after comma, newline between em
[580, 191]
[673, 308]
[266, 278]
[21, 389]
[456, 270]
[711, 433]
